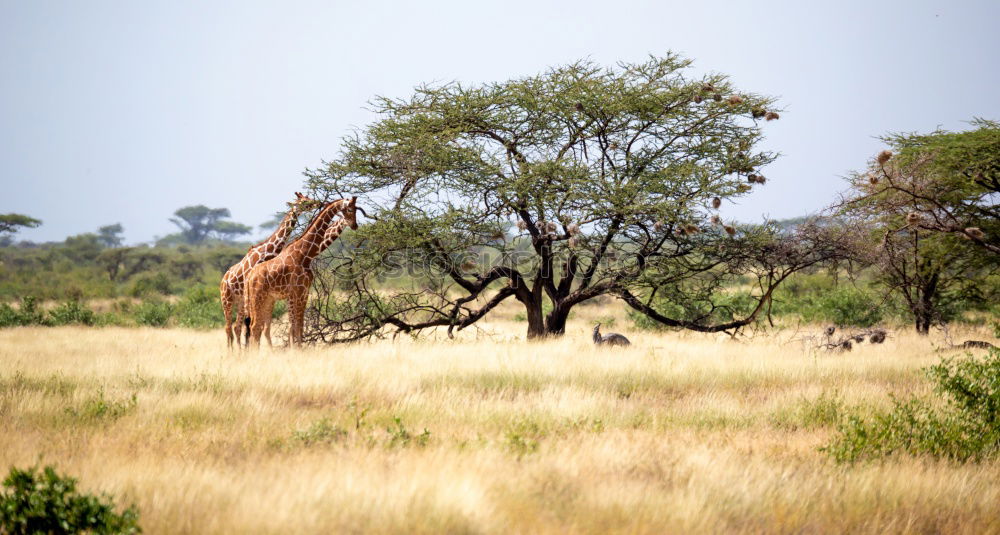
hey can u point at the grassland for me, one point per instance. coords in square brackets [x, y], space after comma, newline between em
[486, 434]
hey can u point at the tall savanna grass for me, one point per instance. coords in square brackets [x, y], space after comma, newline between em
[486, 433]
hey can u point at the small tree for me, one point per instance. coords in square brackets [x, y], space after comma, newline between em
[111, 235]
[930, 205]
[229, 230]
[553, 190]
[198, 223]
[11, 223]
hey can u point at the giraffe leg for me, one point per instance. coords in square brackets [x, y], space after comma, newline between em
[269, 317]
[227, 312]
[238, 322]
[253, 304]
[265, 318]
[296, 315]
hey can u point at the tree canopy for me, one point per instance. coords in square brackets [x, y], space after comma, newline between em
[14, 222]
[578, 182]
[929, 205]
[198, 223]
[111, 235]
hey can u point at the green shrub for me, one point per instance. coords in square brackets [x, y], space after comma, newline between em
[100, 408]
[402, 437]
[152, 313]
[320, 432]
[846, 306]
[965, 427]
[71, 312]
[816, 300]
[200, 308]
[45, 502]
[8, 316]
[148, 285]
[27, 314]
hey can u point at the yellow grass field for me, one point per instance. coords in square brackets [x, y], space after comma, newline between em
[682, 433]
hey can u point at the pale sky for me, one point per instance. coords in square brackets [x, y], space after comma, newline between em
[125, 111]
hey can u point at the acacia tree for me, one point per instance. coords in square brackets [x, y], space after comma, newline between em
[930, 206]
[948, 181]
[14, 222]
[199, 222]
[553, 190]
[111, 235]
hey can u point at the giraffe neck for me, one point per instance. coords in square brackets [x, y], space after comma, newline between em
[332, 233]
[276, 240]
[310, 244]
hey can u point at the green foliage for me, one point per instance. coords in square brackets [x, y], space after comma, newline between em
[156, 284]
[152, 313]
[399, 436]
[42, 501]
[845, 306]
[322, 431]
[200, 308]
[70, 313]
[586, 179]
[928, 219]
[523, 437]
[198, 223]
[965, 427]
[710, 307]
[279, 310]
[13, 222]
[110, 235]
[27, 313]
[99, 408]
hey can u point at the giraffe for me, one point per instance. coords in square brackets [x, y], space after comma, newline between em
[231, 286]
[289, 275]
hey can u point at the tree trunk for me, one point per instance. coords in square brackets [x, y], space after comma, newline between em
[923, 326]
[555, 322]
[926, 306]
[536, 321]
[542, 325]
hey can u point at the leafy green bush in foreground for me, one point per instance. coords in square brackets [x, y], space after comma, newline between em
[966, 427]
[45, 502]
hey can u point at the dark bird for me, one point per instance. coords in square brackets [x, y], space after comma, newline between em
[611, 339]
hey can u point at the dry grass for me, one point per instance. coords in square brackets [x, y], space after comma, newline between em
[680, 433]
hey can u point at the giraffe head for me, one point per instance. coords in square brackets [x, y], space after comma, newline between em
[302, 204]
[350, 213]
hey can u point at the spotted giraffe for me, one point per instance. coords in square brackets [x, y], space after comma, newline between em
[289, 275]
[231, 286]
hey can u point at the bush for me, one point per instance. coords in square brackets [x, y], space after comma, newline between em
[71, 312]
[200, 308]
[45, 502]
[150, 285]
[152, 313]
[845, 307]
[27, 314]
[818, 300]
[966, 427]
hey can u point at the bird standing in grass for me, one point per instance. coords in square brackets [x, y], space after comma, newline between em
[611, 339]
